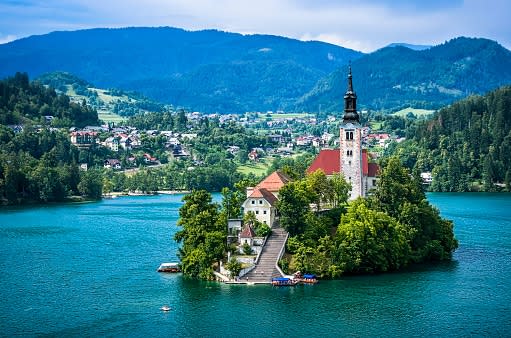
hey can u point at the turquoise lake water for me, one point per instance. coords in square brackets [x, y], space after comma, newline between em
[90, 270]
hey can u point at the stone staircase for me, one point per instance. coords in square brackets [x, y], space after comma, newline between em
[265, 269]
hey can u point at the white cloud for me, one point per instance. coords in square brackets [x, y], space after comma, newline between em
[363, 25]
[7, 38]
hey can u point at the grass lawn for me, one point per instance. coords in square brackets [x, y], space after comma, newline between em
[375, 125]
[416, 112]
[109, 99]
[108, 116]
[258, 168]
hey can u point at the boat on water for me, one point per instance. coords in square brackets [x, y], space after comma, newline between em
[309, 279]
[169, 267]
[283, 281]
[165, 308]
[305, 278]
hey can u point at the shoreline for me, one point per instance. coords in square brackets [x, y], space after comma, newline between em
[116, 194]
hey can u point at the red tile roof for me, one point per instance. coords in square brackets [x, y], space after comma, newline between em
[264, 193]
[328, 160]
[247, 232]
[273, 182]
[374, 170]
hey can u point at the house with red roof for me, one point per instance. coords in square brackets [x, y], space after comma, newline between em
[84, 138]
[247, 235]
[262, 199]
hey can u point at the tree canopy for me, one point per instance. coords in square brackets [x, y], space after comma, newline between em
[465, 146]
[387, 231]
[202, 235]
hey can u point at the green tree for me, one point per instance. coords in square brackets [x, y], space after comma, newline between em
[202, 235]
[340, 190]
[399, 194]
[91, 184]
[234, 267]
[371, 241]
[293, 206]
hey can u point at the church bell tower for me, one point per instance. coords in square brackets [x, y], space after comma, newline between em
[351, 142]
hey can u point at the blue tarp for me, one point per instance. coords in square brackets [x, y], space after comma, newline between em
[280, 279]
[309, 276]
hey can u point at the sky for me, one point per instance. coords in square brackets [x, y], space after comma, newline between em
[363, 25]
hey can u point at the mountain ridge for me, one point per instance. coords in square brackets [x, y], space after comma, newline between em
[215, 71]
[132, 58]
[399, 77]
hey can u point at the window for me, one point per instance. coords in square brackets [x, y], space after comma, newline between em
[253, 202]
[374, 182]
[264, 212]
[349, 178]
[260, 201]
[349, 135]
[349, 162]
[257, 212]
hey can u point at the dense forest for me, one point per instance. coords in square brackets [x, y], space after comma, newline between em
[24, 101]
[466, 146]
[37, 161]
[41, 166]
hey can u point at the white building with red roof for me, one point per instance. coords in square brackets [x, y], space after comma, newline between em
[262, 199]
[247, 235]
[350, 159]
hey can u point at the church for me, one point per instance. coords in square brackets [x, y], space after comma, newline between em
[350, 159]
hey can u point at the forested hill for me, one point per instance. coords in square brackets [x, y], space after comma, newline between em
[23, 101]
[203, 70]
[467, 146]
[214, 71]
[431, 78]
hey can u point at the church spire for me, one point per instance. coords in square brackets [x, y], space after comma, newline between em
[350, 102]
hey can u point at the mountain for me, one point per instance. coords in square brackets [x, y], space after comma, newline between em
[409, 45]
[204, 70]
[400, 77]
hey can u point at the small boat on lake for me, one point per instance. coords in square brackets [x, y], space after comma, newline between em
[305, 278]
[283, 281]
[309, 279]
[165, 308]
[169, 267]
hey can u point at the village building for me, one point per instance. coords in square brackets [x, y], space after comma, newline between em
[83, 138]
[112, 163]
[262, 199]
[350, 159]
[112, 143]
[246, 237]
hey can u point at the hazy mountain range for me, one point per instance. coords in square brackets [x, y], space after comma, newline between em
[215, 71]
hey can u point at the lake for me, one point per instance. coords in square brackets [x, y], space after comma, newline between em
[90, 270]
